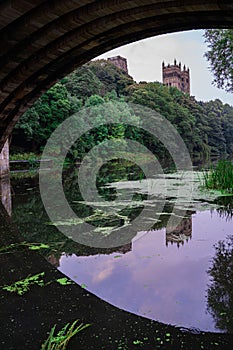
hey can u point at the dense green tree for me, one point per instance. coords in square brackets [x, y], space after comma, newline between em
[94, 100]
[228, 127]
[111, 77]
[213, 111]
[97, 77]
[37, 124]
[82, 83]
[75, 104]
[220, 56]
[96, 111]
[181, 110]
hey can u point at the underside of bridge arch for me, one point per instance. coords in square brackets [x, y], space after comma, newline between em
[43, 40]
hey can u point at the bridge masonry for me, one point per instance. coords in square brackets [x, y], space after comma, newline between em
[44, 40]
[4, 160]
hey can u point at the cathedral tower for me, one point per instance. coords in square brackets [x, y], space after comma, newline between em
[119, 62]
[174, 75]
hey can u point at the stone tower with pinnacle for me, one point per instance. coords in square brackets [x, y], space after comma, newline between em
[174, 75]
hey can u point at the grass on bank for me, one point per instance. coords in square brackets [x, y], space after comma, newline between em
[25, 156]
[219, 178]
[60, 340]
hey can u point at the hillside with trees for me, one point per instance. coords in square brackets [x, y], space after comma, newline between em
[206, 127]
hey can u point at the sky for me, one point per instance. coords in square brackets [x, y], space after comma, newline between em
[145, 61]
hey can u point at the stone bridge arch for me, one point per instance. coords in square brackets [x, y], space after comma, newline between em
[43, 40]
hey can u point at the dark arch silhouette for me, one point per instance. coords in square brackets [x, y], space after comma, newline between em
[43, 40]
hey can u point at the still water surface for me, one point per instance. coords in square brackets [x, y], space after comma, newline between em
[149, 278]
[160, 274]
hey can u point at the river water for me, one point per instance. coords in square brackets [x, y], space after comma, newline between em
[177, 275]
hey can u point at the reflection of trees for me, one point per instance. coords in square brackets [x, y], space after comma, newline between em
[33, 222]
[220, 291]
[31, 218]
[35, 226]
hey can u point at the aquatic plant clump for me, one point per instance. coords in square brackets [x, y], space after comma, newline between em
[23, 286]
[220, 177]
[61, 340]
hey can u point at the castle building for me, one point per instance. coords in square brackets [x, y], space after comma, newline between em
[173, 75]
[119, 62]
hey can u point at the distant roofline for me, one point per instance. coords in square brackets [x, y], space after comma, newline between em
[117, 57]
[176, 65]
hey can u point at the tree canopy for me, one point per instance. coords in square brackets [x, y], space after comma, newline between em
[220, 56]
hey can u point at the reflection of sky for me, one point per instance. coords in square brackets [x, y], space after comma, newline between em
[167, 284]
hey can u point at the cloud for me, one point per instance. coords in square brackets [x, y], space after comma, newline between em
[105, 271]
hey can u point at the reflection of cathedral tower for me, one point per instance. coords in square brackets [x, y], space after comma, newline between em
[125, 248]
[173, 75]
[181, 233]
[54, 260]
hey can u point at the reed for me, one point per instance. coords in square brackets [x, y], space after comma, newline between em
[220, 177]
[61, 340]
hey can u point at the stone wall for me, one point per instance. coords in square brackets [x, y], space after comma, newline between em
[5, 194]
[4, 160]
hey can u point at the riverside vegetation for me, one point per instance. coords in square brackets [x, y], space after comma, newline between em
[220, 177]
[60, 340]
[206, 127]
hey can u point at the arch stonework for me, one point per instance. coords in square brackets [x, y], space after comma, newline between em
[43, 40]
